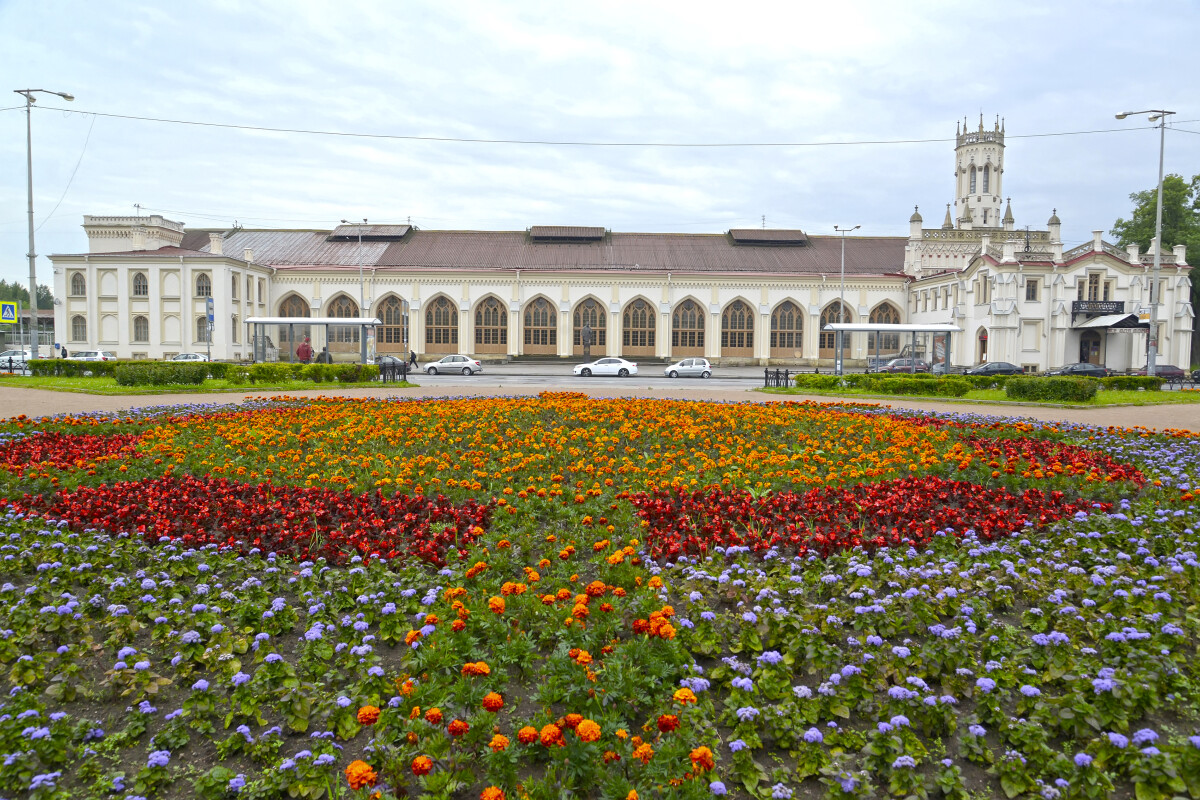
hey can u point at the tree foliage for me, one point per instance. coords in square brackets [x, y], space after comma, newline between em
[11, 292]
[1180, 222]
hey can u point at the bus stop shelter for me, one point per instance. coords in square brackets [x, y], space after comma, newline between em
[257, 327]
[898, 329]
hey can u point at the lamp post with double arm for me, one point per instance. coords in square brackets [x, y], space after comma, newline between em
[1159, 116]
[840, 338]
[28, 94]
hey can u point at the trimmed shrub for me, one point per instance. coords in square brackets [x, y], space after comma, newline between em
[354, 373]
[817, 382]
[217, 369]
[237, 374]
[1051, 390]
[1133, 383]
[317, 373]
[988, 381]
[156, 374]
[274, 373]
[921, 385]
[65, 367]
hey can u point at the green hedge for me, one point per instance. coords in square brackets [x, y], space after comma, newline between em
[988, 381]
[821, 383]
[1051, 390]
[1133, 383]
[64, 367]
[158, 374]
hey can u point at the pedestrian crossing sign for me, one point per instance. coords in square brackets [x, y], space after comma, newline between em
[8, 313]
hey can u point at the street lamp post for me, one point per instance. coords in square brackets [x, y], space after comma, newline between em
[1160, 116]
[362, 295]
[839, 339]
[28, 94]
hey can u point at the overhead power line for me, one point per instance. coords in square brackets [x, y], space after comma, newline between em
[569, 143]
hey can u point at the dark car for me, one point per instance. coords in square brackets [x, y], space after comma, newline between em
[995, 368]
[905, 365]
[1081, 370]
[1165, 371]
[1196, 376]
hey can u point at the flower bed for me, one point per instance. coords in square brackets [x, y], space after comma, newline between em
[532, 597]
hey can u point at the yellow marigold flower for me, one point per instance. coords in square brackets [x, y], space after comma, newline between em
[684, 696]
[644, 753]
[622, 733]
[496, 605]
[656, 582]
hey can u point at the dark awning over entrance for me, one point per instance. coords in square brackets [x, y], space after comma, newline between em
[1112, 321]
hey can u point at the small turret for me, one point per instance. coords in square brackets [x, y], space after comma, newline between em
[1008, 215]
[1054, 227]
[948, 223]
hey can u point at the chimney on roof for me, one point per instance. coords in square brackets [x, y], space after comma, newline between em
[248, 256]
[216, 243]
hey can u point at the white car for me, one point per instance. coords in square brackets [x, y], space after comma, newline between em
[92, 355]
[607, 366]
[189, 357]
[455, 363]
[13, 359]
[689, 368]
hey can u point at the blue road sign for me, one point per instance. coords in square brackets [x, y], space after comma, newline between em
[210, 311]
[8, 313]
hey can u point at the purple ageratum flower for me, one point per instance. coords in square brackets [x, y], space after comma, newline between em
[883, 727]
[802, 692]
[343, 701]
[142, 666]
[200, 685]
[904, 762]
[750, 617]
[737, 745]
[44, 781]
[1102, 685]
[813, 736]
[717, 789]
[159, 758]
[977, 730]
[745, 684]
[239, 679]
[1030, 691]
[780, 792]
[985, 684]
[1145, 736]
[273, 658]
[770, 657]
[1118, 741]
[747, 713]
[1082, 759]
[900, 721]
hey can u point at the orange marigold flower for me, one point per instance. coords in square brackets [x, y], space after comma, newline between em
[476, 668]
[562, 594]
[667, 611]
[618, 591]
[434, 716]
[431, 619]
[496, 605]
[572, 720]
[684, 696]
[422, 765]
[360, 774]
[411, 637]
[551, 735]
[587, 731]
[610, 756]
[644, 753]
[656, 582]
[527, 735]
[406, 688]
[702, 759]
[596, 588]
[547, 599]
[416, 712]
[493, 702]
[503, 544]
[491, 793]
[583, 657]
[498, 743]
[411, 737]
[667, 632]
[668, 723]
[615, 558]
[458, 625]
[606, 607]
[458, 728]
[633, 795]
[580, 611]
[622, 733]
[368, 715]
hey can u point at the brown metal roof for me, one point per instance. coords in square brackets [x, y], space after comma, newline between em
[487, 250]
[370, 231]
[767, 236]
[565, 232]
[301, 248]
[172, 251]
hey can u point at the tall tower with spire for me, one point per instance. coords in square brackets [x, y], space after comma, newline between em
[978, 175]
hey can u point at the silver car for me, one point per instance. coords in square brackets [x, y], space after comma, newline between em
[607, 366]
[13, 359]
[189, 357]
[92, 355]
[455, 363]
[689, 368]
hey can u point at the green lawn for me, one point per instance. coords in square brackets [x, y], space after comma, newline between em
[108, 386]
[997, 396]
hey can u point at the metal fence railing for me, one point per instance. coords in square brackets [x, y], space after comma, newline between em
[779, 378]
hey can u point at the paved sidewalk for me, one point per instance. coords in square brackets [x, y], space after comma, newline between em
[37, 402]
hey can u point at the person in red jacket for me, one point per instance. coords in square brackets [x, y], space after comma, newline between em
[304, 352]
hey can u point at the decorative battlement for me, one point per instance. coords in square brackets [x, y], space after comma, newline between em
[118, 234]
[978, 137]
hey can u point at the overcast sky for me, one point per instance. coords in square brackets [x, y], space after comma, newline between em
[863, 75]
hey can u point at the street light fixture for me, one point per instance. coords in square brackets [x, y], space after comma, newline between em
[838, 343]
[28, 94]
[362, 295]
[1160, 116]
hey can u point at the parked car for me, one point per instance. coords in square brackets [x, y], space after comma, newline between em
[92, 355]
[13, 360]
[1196, 376]
[689, 368]
[385, 359]
[1082, 370]
[942, 368]
[607, 366]
[1165, 371]
[877, 363]
[189, 357]
[906, 365]
[455, 363]
[995, 368]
